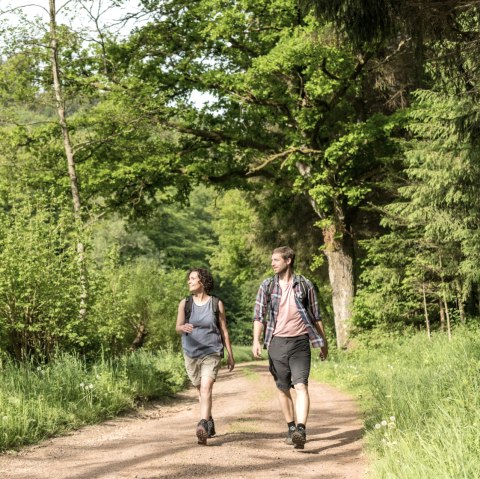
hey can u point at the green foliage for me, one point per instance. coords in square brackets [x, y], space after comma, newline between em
[138, 297]
[433, 244]
[38, 401]
[39, 287]
[239, 260]
[422, 409]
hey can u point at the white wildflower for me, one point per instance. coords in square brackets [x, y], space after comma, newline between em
[378, 426]
[383, 423]
[392, 418]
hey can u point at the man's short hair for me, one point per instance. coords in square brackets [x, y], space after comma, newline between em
[286, 253]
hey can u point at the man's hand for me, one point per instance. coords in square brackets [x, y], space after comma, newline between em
[323, 352]
[257, 350]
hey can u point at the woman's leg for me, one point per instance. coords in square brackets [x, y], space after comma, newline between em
[206, 387]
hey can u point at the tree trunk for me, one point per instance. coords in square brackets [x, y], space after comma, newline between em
[67, 144]
[340, 256]
[460, 303]
[339, 253]
[427, 321]
[140, 337]
[442, 315]
[447, 313]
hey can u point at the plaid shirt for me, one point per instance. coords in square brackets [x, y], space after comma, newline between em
[306, 299]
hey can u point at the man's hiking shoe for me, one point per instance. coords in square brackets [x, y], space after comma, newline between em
[202, 432]
[211, 427]
[299, 437]
[288, 439]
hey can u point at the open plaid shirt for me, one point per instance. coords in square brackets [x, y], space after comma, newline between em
[266, 311]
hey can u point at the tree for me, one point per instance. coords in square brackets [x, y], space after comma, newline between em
[286, 110]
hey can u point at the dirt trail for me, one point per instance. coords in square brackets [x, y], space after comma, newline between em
[160, 442]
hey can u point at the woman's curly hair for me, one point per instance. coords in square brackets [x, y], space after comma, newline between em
[205, 277]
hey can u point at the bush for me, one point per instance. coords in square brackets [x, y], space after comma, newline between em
[39, 281]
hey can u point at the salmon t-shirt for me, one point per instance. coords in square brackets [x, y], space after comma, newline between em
[289, 322]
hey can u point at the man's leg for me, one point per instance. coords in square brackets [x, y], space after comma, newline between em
[286, 404]
[302, 403]
[300, 368]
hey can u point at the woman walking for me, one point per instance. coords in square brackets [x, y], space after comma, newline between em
[202, 323]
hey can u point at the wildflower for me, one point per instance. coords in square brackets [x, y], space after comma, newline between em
[392, 418]
[378, 426]
[82, 385]
[383, 423]
[39, 368]
[90, 386]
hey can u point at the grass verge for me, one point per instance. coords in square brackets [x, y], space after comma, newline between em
[38, 401]
[421, 401]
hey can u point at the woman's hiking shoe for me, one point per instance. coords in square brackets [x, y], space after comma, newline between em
[202, 432]
[211, 427]
[299, 437]
[288, 439]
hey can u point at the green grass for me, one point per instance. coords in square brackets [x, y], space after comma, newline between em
[242, 354]
[421, 400]
[38, 401]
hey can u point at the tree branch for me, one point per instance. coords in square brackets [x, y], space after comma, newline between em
[283, 154]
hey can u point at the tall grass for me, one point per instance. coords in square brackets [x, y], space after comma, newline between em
[422, 404]
[37, 401]
[242, 354]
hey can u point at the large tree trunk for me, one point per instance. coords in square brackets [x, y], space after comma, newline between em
[339, 253]
[340, 256]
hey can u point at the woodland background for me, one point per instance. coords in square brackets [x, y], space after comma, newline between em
[205, 133]
[212, 131]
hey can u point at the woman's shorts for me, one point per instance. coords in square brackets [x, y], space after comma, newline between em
[290, 360]
[207, 366]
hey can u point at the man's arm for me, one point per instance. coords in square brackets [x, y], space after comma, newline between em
[323, 349]
[258, 320]
[317, 320]
[257, 333]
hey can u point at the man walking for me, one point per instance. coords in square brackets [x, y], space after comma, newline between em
[286, 307]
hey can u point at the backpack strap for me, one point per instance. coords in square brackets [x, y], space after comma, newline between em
[188, 308]
[304, 287]
[270, 289]
[216, 309]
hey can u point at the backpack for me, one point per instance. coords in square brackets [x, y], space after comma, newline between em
[188, 307]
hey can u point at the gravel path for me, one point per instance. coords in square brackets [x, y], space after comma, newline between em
[160, 442]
